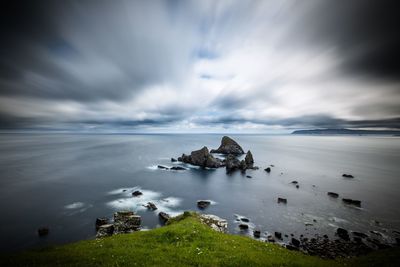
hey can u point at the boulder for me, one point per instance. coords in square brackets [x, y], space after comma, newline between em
[248, 176]
[278, 235]
[351, 201]
[295, 242]
[268, 169]
[228, 146]
[347, 175]
[173, 160]
[333, 194]
[151, 206]
[201, 158]
[243, 226]
[164, 217]
[257, 233]
[244, 219]
[343, 234]
[297, 186]
[126, 222]
[215, 222]
[105, 230]
[43, 231]
[270, 239]
[294, 182]
[137, 193]
[282, 200]
[202, 204]
[100, 222]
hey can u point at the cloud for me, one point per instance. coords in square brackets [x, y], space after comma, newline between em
[167, 65]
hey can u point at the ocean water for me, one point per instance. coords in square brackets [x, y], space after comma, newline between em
[66, 181]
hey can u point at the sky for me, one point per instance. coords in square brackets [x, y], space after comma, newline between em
[199, 66]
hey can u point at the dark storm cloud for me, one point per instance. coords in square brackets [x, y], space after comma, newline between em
[366, 33]
[147, 63]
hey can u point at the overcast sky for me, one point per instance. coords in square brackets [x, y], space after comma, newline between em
[199, 66]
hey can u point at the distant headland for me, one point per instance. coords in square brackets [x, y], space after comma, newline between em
[347, 132]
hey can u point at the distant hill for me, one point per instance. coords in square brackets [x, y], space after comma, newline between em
[346, 132]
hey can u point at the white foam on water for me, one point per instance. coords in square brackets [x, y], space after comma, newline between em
[75, 205]
[129, 202]
[152, 167]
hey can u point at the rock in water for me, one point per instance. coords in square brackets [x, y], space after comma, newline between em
[202, 204]
[343, 233]
[137, 193]
[282, 200]
[105, 230]
[215, 222]
[126, 222]
[164, 217]
[228, 146]
[43, 231]
[162, 167]
[333, 194]
[100, 222]
[243, 226]
[249, 160]
[278, 235]
[201, 158]
[347, 176]
[232, 163]
[295, 242]
[352, 202]
[177, 168]
[257, 233]
[173, 160]
[268, 169]
[151, 206]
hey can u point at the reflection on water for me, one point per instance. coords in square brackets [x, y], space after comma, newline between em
[66, 181]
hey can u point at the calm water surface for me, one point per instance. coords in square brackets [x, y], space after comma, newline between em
[65, 181]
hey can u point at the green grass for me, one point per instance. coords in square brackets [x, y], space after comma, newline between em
[183, 242]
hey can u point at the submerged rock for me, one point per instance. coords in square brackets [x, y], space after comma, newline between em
[228, 146]
[202, 204]
[244, 219]
[333, 194]
[177, 168]
[243, 226]
[248, 176]
[43, 231]
[268, 169]
[215, 222]
[105, 230]
[352, 201]
[162, 167]
[126, 222]
[347, 175]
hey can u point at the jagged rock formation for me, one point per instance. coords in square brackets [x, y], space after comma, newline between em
[215, 222]
[124, 222]
[228, 146]
[202, 158]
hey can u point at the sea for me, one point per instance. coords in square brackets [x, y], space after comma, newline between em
[65, 181]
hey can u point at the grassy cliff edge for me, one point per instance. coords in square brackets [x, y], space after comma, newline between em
[185, 241]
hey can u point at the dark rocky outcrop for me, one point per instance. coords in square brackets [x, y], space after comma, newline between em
[282, 200]
[249, 160]
[270, 239]
[164, 217]
[216, 223]
[232, 163]
[126, 222]
[249, 176]
[202, 204]
[228, 146]
[137, 193]
[347, 175]
[333, 194]
[174, 160]
[268, 169]
[295, 242]
[343, 234]
[101, 221]
[202, 158]
[244, 219]
[294, 182]
[43, 231]
[352, 201]
[105, 230]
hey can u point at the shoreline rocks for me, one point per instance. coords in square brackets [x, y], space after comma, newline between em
[100, 222]
[126, 222]
[151, 206]
[216, 223]
[164, 217]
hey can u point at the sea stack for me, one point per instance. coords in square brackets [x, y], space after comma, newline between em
[228, 146]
